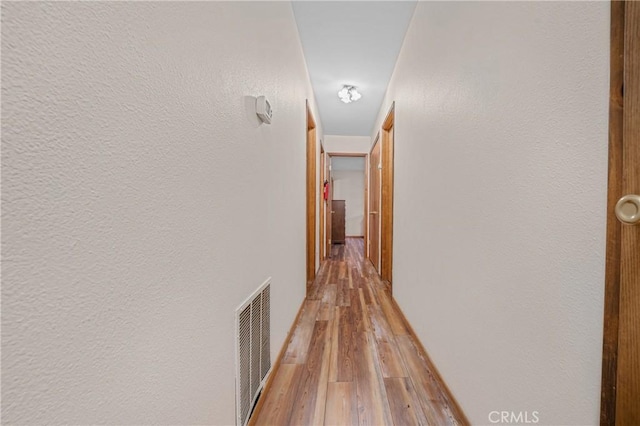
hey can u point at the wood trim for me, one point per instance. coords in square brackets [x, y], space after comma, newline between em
[455, 406]
[376, 140]
[366, 205]
[311, 196]
[274, 369]
[628, 356]
[350, 154]
[322, 245]
[330, 209]
[368, 248]
[613, 249]
[329, 216]
[386, 233]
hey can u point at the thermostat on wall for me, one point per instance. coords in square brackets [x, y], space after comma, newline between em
[263, 109]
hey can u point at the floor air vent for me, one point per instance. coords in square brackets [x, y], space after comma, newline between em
[253, 356]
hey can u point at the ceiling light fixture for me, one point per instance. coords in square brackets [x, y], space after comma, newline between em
[349, 94]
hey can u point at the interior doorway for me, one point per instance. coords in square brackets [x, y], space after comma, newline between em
[380, 229]
[346, 198]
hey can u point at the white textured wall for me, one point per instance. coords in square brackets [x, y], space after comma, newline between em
[348, 185]
[142, 203]
[500, 185]
[352, 144]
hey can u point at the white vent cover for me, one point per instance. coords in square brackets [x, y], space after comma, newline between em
[253, 349]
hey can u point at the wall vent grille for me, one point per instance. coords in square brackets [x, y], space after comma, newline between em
[253, 349]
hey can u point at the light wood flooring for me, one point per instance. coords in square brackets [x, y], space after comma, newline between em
[352, 359]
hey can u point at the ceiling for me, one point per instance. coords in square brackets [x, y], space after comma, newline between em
[356, 43]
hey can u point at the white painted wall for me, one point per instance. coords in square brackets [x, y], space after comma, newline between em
[348, 185]
[500, 192]
[353, 144]
[128, 239]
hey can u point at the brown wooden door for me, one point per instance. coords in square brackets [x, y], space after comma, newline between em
[338, 222]
[621, 350]
[374, 205]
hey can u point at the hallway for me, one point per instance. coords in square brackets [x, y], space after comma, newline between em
[351, 358]
[167, 192]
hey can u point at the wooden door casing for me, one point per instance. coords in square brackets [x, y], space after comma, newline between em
[386, 200]
[311, 196]
[327, 207]
[628, 374]
[365, 229]
[323, 204]
[374, 205]
[329, 216]
[620, 390]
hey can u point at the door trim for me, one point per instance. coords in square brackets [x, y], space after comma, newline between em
[323, 203]
[621, 18]
[613, 247]
[368, 247]
[386, 201]
[311, 196]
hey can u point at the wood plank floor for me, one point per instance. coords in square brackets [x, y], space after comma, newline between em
[351, 358]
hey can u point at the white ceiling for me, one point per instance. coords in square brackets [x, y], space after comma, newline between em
[356, 43]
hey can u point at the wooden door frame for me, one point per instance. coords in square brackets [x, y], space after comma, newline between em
[368, 248]
[619, 131]
[366, 192]
[329, 218]
[386, 199]
[311, 196]
[323, 204]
